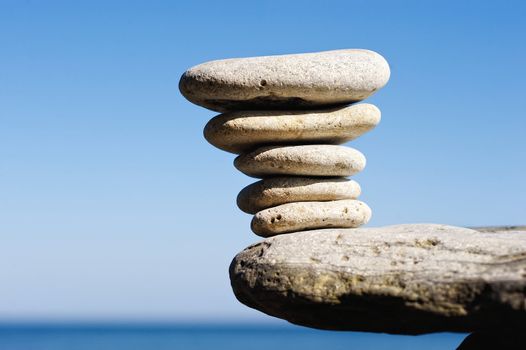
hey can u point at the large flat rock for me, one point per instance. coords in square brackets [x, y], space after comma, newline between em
[404, 279]
[298, 81]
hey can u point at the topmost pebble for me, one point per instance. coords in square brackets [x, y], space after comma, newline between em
[299, 81]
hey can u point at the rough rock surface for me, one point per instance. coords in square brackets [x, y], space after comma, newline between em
[299, 81]
[280, 190]
[239, 132]
[299, 216]
[304, 160]
[406, 279]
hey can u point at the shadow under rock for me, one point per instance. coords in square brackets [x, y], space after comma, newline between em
[510, 339]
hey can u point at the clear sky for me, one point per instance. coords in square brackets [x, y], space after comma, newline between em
[112, 204]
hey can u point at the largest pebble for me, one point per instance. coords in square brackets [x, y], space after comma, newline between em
[298, 81]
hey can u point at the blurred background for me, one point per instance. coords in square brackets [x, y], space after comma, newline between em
[114, 209]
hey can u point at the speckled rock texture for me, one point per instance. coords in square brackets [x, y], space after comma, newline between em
[299, 216]
[303, 160]
[280, 190]
[239, 132]
[404, 279]
[298, 81]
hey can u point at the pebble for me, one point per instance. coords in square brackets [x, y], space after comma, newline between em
[300, 216]
[239, 132]
[297, 81]
[280, 190]
[303, 160]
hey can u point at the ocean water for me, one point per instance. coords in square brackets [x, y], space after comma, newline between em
[200, 337]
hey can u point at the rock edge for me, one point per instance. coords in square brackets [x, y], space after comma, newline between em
[403, 279]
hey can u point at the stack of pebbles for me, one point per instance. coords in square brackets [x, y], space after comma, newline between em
[286, 117]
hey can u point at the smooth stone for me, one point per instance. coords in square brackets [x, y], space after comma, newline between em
[280, 190]
[403, 279]
[239, 132]
[300, 216]
[303, 160]
[297, 81]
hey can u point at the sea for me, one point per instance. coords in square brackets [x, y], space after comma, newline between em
[226, 336]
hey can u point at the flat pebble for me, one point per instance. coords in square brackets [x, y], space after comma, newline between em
[297, 81]
[280, 190]
[303, 160]
[239, 132]
[300, 216]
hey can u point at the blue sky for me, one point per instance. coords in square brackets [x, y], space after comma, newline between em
[112, 204]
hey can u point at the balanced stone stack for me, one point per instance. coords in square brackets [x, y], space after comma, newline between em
[286, 117]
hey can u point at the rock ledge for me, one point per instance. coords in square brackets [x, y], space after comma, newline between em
[404, 279]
